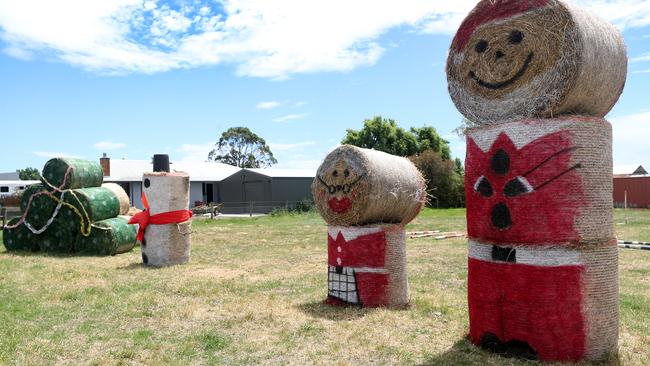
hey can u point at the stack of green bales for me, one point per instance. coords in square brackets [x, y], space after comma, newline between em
[71, 211]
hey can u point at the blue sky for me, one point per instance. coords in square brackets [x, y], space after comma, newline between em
[133, 78]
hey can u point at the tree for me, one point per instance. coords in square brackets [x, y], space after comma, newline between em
[28, 173]
[240, 147]
[445, 184]
[385, 135]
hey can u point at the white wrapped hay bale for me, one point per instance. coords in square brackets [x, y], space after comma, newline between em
[539, 58]
[367, 266]
[167, 195]
[355, 186]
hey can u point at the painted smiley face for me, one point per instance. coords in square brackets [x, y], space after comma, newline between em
[339, 187]
[502, 56]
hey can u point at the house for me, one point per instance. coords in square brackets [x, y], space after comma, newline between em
[632, 189]
[238, 190]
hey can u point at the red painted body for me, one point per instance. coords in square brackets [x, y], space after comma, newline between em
[364, 252]
[488, 11]
[534, 304]
[545, 215]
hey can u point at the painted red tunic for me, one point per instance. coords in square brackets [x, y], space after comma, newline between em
[539, 305]
[357, 271]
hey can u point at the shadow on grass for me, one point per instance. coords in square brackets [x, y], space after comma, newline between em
[135, 265]
[319, 309]
[463, 352]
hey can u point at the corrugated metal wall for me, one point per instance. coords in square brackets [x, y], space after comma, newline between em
[638, 191]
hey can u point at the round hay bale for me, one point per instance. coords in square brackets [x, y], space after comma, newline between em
[168, 244]
[355, 186]
[19, 238]
[540, 58]
[42, 206]
[99, 203]
[108, 237]
[122, 197]
[83, 174]
[367, 266]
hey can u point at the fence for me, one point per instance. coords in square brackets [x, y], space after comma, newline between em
[7, 213]
[264, 207]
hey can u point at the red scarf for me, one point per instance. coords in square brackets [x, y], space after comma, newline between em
[144, 218]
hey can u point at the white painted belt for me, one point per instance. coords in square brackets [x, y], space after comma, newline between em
[524, 254]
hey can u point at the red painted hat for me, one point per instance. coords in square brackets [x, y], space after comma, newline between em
[489, 10]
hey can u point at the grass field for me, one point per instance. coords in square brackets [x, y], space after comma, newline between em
[253, 294]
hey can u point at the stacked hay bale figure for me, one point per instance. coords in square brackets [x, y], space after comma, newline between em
[535, 78]
[165, 225]
[72, 212]
[367, 197]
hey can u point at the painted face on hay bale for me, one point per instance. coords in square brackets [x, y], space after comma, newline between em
[513, 59]
[342, 188]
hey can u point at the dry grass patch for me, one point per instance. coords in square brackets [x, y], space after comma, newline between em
[253, 294]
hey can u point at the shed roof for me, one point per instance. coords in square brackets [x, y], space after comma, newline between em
[285, 173]
[123, 170]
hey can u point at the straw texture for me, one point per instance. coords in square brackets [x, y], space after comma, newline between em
[367, 266]
[557, 181]
[543, 58]
[166, 245]
[356, 186]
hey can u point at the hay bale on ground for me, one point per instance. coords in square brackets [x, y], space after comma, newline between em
[518, 59]
[166, 244]
[83, 173]
[19, 238]
[356, 186]
[108, 237]
[367, 266]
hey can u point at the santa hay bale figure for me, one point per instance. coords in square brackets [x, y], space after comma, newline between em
[367, 197]
[165, 225]
[535, 78]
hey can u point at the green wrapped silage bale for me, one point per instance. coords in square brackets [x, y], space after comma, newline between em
[98, 202]
[42, 206]
[84, 174]
[19, 238]
[60, 236]
[108, 237]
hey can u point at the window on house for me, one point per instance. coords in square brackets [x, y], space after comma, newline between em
[4, 189]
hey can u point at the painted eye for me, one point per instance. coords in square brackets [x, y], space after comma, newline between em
[481, 46]
[517, 186]
[346, 173]
[515, 37]
[483, 187]
[335, 173]
[147, 183]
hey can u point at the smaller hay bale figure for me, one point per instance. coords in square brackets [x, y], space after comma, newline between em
[367, 197]
[513, 59]
[165, 225]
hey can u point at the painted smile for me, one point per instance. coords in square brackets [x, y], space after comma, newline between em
[503, 84]
[340, 206]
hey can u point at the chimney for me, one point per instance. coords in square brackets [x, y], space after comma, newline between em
[105, 162]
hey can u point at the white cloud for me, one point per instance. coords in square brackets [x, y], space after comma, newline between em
[284, 147]
[290, 117]
[109, 145]
[267, 105]
[262, 38]
[53, 154]
[195, 152]
[631, 134]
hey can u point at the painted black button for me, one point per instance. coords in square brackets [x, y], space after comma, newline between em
[501, 216]
[500, 162]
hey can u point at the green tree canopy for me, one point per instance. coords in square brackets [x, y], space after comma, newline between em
[385, 135]
[240, 147]
[445, 185]
[29, 173]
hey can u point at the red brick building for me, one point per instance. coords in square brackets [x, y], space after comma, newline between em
[632, 189]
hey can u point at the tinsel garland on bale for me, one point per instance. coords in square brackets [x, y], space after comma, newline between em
[515, 59]
[70, 212]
